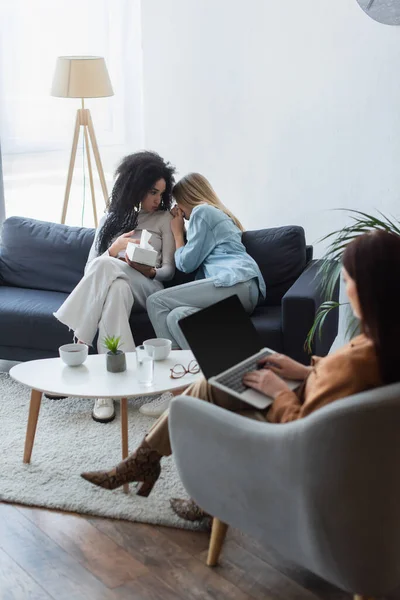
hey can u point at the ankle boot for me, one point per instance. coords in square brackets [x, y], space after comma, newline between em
[143, 466]
[188, 510]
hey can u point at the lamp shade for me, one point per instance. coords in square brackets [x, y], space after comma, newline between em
[81, 77]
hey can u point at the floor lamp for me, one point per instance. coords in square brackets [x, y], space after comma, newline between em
[83, 77]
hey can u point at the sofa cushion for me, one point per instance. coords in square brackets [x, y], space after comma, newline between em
[280, 253]
[27, 321]
[42, 255]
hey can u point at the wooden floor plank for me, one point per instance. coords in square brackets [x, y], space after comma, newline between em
[147, 587]
[45, 562]
[255, 577]
[84, 542]
[188, 576]
[194, 542]
[16, 584]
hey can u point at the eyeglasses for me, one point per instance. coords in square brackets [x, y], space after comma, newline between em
[179, 370]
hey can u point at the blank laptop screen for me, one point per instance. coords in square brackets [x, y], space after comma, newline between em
[221, 335]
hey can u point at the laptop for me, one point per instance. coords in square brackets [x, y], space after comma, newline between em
[226, 345]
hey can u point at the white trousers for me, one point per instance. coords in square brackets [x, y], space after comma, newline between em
[167, 307]
[103, 300]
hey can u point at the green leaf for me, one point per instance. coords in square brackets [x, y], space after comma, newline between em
[319, 320]
[329, 271]
[112, 343]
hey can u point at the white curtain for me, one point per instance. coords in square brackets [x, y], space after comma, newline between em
[2, 205]
[36, 129]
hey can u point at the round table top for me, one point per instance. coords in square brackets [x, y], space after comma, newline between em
[92, 380]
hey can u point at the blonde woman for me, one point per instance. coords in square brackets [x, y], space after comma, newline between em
[214, 249]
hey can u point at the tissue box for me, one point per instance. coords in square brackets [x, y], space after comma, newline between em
[143, 256]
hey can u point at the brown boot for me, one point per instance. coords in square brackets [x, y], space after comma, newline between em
[143, 466]
[188, 510]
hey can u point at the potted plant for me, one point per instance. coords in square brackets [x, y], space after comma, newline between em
[116, 360]
[331, 265]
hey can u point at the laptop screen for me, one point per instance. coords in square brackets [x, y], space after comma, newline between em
[221, 335]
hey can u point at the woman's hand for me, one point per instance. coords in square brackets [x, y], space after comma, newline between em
[284, 366]
[178, 227]
[266, 382]
[145, 270]
[176, 211]
[120, 244]
[177, 223]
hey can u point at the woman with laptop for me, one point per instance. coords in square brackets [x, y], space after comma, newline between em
[103, 299]
[214, 250]
[371, 272]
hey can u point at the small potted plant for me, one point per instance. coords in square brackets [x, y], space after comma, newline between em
[116, 361]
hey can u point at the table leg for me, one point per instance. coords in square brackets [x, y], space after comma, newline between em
[34, 407]
[124, 433]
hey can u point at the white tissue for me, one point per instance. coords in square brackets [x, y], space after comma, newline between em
[143, 252]
[144, 240]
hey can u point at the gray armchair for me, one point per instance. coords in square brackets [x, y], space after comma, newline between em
[324, 491]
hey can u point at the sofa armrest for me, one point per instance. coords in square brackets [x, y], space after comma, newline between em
[299, 307]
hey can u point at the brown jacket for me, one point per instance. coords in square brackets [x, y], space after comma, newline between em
[354, 368]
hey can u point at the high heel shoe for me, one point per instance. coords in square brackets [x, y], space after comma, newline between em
[142, 466]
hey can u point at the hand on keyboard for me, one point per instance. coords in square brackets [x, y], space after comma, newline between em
[266, 382]
[234, 378]
[284, 366]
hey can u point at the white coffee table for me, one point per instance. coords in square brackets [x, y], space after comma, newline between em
[92, 380]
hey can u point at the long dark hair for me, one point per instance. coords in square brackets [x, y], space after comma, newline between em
[373, 261]
[135, 176]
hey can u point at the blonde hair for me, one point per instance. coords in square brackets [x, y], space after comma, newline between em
[195, 189]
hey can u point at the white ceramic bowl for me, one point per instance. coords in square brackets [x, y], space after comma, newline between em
[161, 348]
[73, 354]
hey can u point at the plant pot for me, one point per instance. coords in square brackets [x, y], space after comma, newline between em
[116, 363]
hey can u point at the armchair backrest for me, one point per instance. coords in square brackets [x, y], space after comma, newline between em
[281, 254]
[350, 490]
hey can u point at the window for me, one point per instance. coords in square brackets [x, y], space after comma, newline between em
[36, 129]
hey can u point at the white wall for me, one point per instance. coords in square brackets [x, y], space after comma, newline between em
[289, 107]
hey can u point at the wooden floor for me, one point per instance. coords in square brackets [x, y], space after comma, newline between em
[48, 555]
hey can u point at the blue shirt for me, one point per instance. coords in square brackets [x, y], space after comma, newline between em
[214, 247]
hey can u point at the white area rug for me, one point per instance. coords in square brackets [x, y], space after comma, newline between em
[68, 442]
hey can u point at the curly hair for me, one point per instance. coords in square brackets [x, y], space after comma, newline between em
[135, 176]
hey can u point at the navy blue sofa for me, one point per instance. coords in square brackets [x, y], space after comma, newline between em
[41, 262]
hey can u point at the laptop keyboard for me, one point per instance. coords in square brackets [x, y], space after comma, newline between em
[233, 379]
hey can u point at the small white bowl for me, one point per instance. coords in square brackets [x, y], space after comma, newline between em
[73, 354]
[161, 348]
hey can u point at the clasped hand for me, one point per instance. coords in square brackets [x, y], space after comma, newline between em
[267, 379]
[177, 223]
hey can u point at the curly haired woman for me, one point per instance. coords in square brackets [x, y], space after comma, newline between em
[112, 286]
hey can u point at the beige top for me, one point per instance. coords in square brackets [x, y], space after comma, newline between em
[157, 223]
[351, 369]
